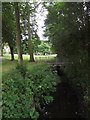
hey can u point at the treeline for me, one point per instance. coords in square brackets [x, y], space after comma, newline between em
[67, 27]
[16, 20]
[19, 30]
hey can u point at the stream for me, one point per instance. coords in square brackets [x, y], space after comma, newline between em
[65, 104]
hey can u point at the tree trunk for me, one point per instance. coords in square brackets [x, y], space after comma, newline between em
[2, 46]
[18, 35]
[30, 42]
[12, 52]
[1, 51]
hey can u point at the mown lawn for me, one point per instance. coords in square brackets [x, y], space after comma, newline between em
[37, 57]
[0, 89]
[8, 65]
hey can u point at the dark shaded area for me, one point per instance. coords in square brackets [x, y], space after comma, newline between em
[65, 104]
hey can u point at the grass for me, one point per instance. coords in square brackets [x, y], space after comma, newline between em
[0, 70]
[0, 92]
[8, 65]
[22, 88]
[36, 57]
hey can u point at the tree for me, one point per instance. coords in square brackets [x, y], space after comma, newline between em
[35, 44]
[67, 26]
[8, 27]
[28, 23]
[18, 39]
[29, 41]
[65, 33]
[1, 49]
[44, 48]
[26, 11]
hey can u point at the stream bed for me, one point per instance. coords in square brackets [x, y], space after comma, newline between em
[64, 105]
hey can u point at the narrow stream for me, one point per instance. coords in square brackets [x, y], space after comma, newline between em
[65, 104]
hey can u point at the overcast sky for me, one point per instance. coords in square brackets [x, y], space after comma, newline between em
[41, 16]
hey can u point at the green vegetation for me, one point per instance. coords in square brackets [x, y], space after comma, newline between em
[25, 90]
[8, 65]
[8, 27]
[0, 89]
[28, 85]
[67, 31]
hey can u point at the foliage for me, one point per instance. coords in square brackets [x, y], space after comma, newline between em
[8, 27]
[22, 96]
[44, 48]
[8, 23]
[22, 69]
[28, 9]
[67, 28]
[35, 43]
[39, 47]
[29, 25]
[79, 82]
[65, 33]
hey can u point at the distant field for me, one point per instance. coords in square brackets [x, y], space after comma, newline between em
[8, 65]
[0, 69]
[0, 88]
[37, 57]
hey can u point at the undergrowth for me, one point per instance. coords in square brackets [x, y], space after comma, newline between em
[24, 90]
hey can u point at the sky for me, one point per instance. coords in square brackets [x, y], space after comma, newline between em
[40, 17]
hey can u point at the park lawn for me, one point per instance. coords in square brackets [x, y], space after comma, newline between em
[0, 69]
[36, 57]
[8, 65]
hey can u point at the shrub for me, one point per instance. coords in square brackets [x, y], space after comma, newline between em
[78, 79]
[22, 96]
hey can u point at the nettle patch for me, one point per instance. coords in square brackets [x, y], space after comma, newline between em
[25, 90]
